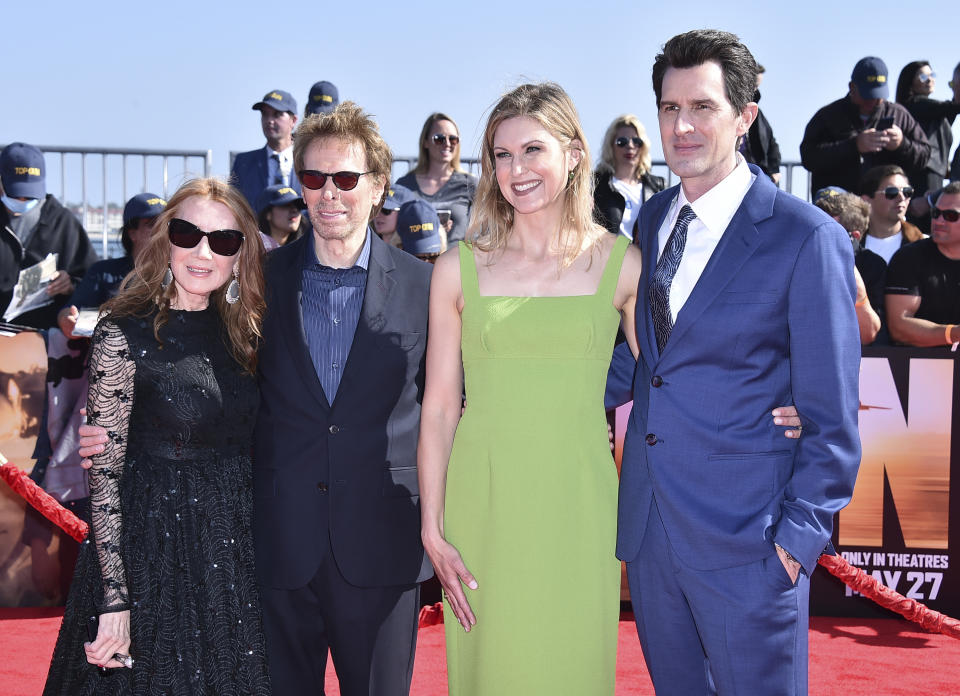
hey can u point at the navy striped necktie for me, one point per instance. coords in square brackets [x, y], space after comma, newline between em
[663, 277]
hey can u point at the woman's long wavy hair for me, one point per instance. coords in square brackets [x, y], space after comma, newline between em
[142, 291]
[423, 158]
[491, 218]
[608, 162]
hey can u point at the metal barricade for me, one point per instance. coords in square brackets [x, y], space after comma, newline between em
[123, 172]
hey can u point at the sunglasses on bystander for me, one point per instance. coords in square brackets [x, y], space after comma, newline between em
[623, 142]
[441, 139]
[950, 215]
[891, 192]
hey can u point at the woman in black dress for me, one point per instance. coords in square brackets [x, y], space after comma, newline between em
[164, 598]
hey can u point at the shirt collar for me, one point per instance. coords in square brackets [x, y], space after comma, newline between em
[310, 259]
[717, 206]
[286, 153]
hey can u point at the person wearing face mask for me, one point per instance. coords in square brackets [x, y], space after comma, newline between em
[915, 92]
[33, 224]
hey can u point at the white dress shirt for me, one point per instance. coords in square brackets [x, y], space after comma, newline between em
[714, 210]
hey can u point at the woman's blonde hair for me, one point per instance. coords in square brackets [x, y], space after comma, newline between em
[142, 291]
[607, 162]
[423, 157]
[491, 217]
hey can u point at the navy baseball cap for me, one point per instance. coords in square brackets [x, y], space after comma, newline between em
[396, 196]
[143, 206]
[828, 192]
[278, 195]
[419, 228]
[22, 171]
[279, 100]
[323, 98]
[870, 78]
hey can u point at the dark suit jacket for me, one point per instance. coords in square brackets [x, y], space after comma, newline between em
[342, 477]
[249, 174]
[771, 321]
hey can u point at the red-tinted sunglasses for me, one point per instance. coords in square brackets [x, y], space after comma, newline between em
[345, 181]
[186, 235]
[950, 215]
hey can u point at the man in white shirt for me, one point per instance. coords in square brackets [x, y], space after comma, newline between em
[746, 301]
[272, 164]
[888, 191]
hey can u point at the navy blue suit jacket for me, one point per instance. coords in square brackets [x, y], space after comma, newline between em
[249, 174]
[771, 321]
[341, 478]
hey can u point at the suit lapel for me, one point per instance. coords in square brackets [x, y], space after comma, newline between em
[290, 320]
[373, 315]
[738, 243]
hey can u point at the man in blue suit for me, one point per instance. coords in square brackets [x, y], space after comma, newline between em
[746, 302]
[272, 164]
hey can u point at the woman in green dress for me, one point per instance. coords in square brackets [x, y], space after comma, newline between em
[519, 496]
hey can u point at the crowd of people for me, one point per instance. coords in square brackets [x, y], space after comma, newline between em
[280, 454]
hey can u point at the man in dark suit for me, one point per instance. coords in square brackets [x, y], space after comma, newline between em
[746, 302]
[272, 164]
[336, 500]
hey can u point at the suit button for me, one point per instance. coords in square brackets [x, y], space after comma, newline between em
[651, 439]
[656, 380]
[334, 429]
[322, 487]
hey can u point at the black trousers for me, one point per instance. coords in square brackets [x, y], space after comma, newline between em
[371, 633]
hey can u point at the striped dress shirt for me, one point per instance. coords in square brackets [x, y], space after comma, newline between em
[330, 305]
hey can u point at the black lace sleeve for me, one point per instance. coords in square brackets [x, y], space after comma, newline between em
[109, 402]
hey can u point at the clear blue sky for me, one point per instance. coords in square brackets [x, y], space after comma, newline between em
[185, 74]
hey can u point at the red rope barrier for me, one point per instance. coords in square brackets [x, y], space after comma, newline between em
[46, 504]
[910, 609]
[431, 615]
[837, 566]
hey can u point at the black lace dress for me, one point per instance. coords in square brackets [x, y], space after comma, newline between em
[171, 502]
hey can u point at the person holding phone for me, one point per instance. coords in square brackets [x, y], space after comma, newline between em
[860, 131]
[438, 177]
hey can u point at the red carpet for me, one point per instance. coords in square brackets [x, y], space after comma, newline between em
[880, 657]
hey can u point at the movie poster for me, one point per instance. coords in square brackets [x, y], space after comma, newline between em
[30, 550]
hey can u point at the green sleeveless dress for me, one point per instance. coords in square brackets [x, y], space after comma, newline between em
[531, 497]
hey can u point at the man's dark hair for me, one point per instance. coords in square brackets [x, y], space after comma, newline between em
[873, 176]
[702, 45]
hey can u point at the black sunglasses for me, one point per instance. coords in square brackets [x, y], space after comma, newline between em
[384, 211]
[186, 235]
[623, 142]
[949, 214]
[441, 139]
[891, 192]
[345, 181]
